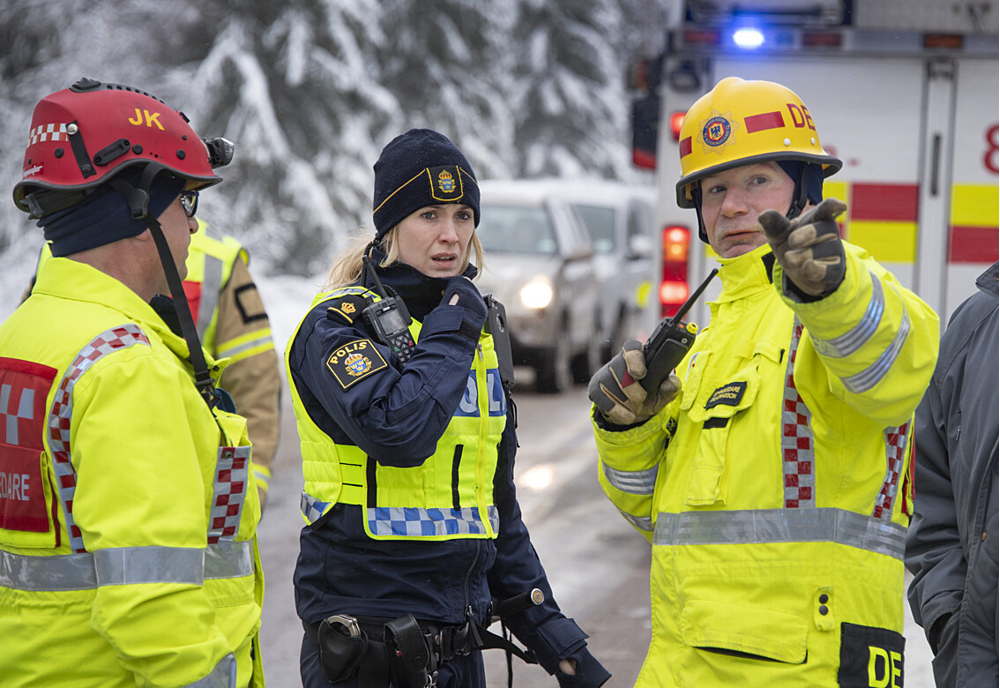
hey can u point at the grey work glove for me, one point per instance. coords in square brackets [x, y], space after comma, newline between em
[617, 394]
[809, 248]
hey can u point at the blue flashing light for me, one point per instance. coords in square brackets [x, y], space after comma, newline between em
[748, 38]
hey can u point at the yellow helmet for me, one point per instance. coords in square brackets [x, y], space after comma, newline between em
[745, 122]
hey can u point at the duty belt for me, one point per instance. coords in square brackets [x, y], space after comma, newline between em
[412, 654]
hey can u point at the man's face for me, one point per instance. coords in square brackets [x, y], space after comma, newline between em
[177, 228]
[732, 201]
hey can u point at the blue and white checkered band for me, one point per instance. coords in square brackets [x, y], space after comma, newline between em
[415, 522]
[469, 405]
[311, 507]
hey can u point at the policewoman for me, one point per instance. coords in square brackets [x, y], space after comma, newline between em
[128, 551]
[772, 474]
[408, 449]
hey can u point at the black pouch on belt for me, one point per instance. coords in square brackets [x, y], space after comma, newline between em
[411, 663]
[342, 645]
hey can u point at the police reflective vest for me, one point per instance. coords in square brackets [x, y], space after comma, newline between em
[128, 550]
[450, 496]
[778, 510]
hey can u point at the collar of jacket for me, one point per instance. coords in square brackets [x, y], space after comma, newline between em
[746, 275]
[420, 293]
[69, 279]
[987, 282]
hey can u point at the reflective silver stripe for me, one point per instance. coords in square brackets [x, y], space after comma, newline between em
[644, 524]
[846, 344]
[871, 376]
[135, 565]
[61, 572]
[632, 482]
[227, 559]
[764, 526]
[222, 676]
[210, 282]
[122, 566]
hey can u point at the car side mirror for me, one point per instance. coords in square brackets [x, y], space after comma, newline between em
[581, 252]
[639, 246]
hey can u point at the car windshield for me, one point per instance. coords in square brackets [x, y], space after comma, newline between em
[600, 224]
[513, 229]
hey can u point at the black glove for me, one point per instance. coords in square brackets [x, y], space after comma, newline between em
[617, 394]
[809, 248]
[461, 291]
[589, 672]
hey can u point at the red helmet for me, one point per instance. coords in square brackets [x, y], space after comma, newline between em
[84, 135]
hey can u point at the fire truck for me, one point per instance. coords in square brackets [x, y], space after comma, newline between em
[905, 92]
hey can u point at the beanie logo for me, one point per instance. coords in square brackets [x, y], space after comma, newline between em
[446, 183]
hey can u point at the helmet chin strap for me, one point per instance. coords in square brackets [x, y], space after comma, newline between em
[800, 198]
[137, 200]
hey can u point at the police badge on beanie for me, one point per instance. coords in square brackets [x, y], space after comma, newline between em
[418, 169]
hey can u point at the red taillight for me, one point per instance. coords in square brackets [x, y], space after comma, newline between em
[676, 121]
[701, 37]
[644, 159]
[674, 284]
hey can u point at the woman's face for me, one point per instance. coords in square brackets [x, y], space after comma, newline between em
[435, 239]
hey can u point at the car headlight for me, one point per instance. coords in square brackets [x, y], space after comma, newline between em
[537, 293]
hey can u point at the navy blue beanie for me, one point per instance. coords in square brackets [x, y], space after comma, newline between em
[813, 180]
[104, 216]
[417, 169]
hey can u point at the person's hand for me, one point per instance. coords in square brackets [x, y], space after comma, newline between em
[461, 291]
[582, 670]
[262, 495]
[617, 393]
[809, 248]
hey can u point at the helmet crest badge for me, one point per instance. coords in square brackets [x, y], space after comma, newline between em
[717, 131]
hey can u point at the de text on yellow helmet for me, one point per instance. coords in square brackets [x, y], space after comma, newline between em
[742, 123]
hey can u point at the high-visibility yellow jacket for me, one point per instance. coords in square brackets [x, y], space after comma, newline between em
[774, 490]
[449, 496]
[232, 323]
[128, 552]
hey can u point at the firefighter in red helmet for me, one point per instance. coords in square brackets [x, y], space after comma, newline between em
[128, 532]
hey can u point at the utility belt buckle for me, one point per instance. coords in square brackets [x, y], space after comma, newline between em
[342, 645]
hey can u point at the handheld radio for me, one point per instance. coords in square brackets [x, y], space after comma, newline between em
[389, 319]
[670, 341]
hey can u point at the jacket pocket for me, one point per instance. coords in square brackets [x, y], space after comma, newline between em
[755, 631]
[715, 409]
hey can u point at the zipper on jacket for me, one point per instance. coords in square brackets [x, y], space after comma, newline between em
[466, 590]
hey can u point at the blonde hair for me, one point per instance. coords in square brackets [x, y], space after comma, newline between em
[347, 266]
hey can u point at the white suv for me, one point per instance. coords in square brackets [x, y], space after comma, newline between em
[539, 264]
[621, 220]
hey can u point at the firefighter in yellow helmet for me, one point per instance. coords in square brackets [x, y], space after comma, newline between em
[128, 510]
[772, 472]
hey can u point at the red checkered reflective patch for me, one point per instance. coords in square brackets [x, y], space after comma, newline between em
[24, 387]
